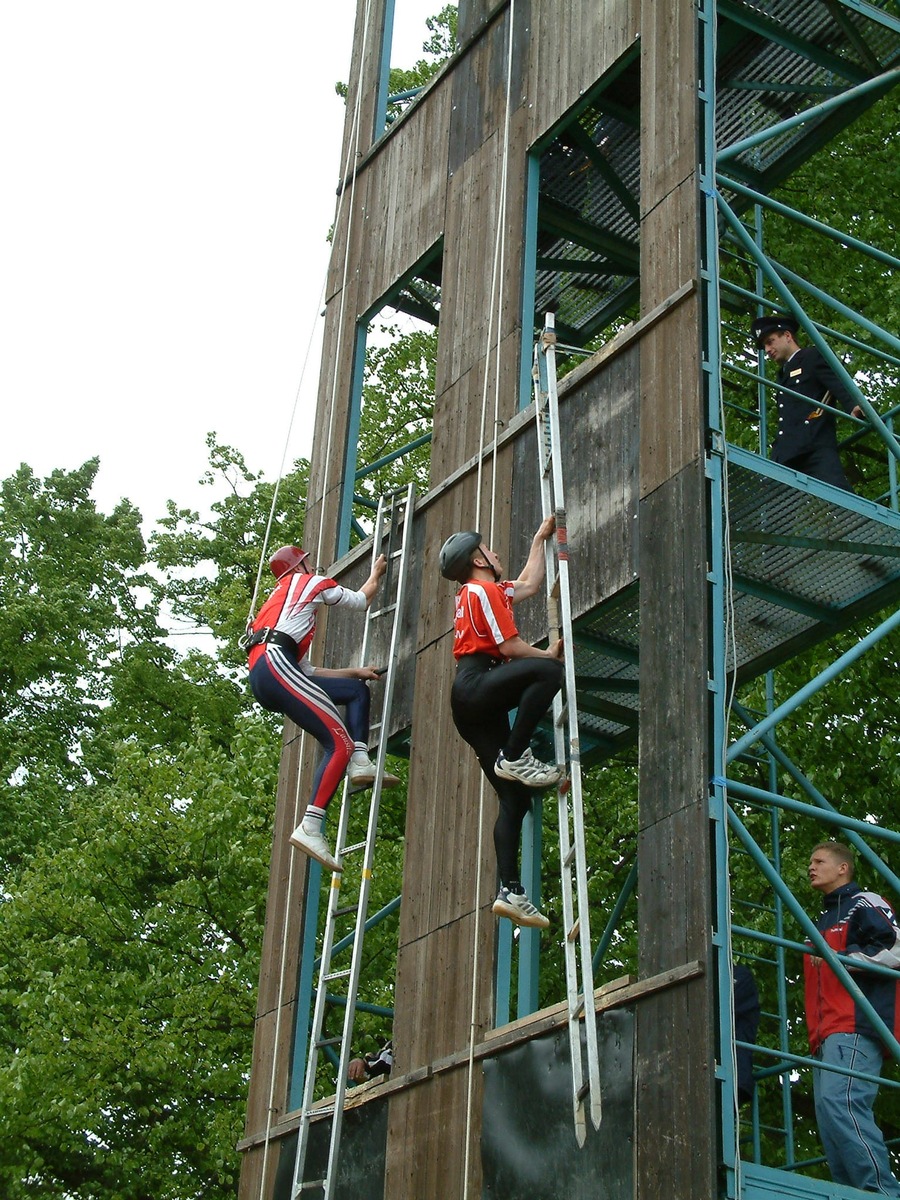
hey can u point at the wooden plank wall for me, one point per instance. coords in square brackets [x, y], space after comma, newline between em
[675, 904]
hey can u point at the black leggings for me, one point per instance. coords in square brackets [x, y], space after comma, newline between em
[484, 691]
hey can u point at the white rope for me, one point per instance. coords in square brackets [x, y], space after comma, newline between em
[287, 439]
[496, 295]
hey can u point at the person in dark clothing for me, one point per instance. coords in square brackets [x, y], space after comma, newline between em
[746, 1024]
[371, 1066]
[497, 671]
[807, 435]
[859, 925]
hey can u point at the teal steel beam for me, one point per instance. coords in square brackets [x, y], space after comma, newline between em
[379, 117]
[352, 435]
[375, 919]
[603, 168]
[767, 799]
[393, 456]
[529, 258]
[303, 1011]
[612, 924]
[816, 684]
[776, 33]
[832, 303]
[844, 239]
[786, 764]
[881, 82]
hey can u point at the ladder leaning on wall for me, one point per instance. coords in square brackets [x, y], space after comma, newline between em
[573, 862]
[393, 523]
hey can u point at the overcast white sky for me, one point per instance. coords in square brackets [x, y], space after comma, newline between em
[169, 174]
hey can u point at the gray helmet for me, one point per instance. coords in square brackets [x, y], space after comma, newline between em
[456, 554]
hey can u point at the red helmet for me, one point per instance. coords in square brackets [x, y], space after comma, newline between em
[287, 559]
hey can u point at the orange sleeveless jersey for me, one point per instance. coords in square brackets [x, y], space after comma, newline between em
[484, 618]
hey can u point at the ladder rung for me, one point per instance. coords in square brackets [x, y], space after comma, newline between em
[352, 849]
[310, 1185]
[570, 857]
[323, 1042]
[578, 1010]
[345, 910]
[336, 975]
[584, 1090]
[574, 931]
[396, 553]
[383, 611]
[563, 715]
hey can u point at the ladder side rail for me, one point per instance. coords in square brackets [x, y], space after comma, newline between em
[371, 841]
[575, 780]
[318, 1022]
[545, 454]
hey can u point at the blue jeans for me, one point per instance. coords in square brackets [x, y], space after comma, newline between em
[854, 1145]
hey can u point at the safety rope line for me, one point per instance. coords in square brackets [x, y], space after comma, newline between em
[351, 156]
[497, 295]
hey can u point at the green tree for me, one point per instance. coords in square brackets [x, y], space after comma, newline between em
[129, 955]
[74, 595]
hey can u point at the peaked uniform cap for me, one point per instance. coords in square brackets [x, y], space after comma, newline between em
[763, 326]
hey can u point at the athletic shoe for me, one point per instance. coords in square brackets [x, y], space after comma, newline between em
[362, 774]
[528, 770]
[316, 846]
[519, 909]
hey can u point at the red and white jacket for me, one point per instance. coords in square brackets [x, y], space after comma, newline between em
[859, 925]
[293, 607]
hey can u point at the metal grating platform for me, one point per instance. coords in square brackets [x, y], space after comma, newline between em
[776, 58]
[807, 560]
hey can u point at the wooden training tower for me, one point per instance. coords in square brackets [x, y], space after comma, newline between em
[579, 132]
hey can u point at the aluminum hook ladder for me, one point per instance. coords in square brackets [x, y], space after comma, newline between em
[573, 863]
[393, 524]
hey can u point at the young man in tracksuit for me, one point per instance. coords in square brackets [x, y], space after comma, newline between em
[497, 671]
[283, 680]
[859, 925]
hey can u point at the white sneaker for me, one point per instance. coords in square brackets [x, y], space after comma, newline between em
[316, 846]
[528, 770]
[362, 774]
[519, 909]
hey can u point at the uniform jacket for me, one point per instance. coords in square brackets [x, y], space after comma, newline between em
[860, 925]
[802, 424]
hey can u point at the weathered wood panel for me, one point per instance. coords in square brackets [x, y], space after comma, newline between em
[675, 906]
[572, 46]
[427, 1139]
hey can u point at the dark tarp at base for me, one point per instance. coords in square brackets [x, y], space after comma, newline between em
[360, 1174]
[528, 1145]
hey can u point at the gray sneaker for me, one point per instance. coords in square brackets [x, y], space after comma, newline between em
[316, 846]
[363, 774]
[519, 909]
[528, 770]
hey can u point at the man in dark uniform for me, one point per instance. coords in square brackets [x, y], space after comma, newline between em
[806, 439]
